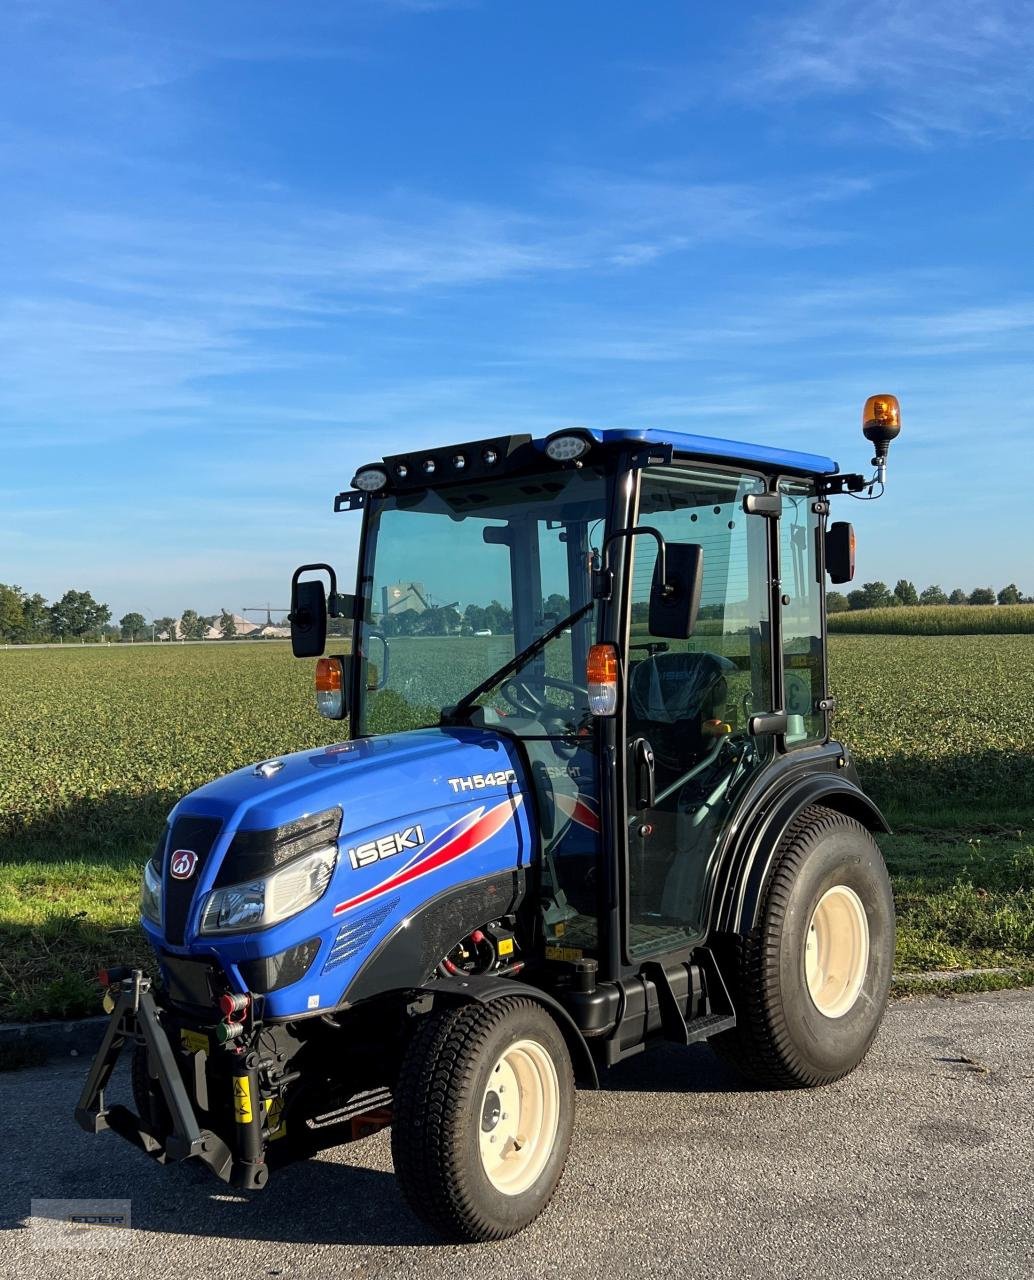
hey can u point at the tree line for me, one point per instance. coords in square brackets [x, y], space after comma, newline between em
[27, 618]
[877, 595]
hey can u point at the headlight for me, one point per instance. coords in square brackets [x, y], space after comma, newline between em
[151, 895]
[267, 900]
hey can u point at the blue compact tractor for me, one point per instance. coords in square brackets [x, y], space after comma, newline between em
[587, 799]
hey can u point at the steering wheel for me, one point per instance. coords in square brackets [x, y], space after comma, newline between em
[523, 698]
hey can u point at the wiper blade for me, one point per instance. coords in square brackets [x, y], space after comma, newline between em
[518, 660]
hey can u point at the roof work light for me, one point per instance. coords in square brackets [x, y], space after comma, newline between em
[568, 446]
[370, 479]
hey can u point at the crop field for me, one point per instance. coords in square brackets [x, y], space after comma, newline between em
[97, 744]
[937, 620]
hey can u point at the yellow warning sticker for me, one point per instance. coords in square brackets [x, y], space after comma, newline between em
[242, 1099]
[563, 953]
[506, 946]
[275, 1118]
[194, 1041]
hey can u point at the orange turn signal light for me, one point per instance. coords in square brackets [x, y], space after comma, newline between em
[601, 676]
[330, 684]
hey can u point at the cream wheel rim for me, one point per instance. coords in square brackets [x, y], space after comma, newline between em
[520, 1114]
[836, 951]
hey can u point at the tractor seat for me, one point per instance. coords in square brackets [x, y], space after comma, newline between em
[670, 695]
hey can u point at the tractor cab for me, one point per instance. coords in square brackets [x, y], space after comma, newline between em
[586, 798]
[640, 614]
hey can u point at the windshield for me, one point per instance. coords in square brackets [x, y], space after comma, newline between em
[459, 580]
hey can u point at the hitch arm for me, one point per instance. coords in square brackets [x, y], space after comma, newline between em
[135, 1004]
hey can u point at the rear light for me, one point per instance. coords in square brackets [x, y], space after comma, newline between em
[601, 673]
[330, 682]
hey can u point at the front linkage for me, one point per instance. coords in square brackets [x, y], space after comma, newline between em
[171, 1131]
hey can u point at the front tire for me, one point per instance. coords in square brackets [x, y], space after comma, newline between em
[484, 1111]
[810, 982]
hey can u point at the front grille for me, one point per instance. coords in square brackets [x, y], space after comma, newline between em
[197, 835]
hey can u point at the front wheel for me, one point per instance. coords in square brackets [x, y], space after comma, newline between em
[810, 982]
[484, 1110]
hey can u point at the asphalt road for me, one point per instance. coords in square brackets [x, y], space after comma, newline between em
[920, 1164]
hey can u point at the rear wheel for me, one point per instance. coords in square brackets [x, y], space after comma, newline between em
[811, 980]
[484, 1110]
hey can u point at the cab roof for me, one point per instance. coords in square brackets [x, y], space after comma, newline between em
[761, 455]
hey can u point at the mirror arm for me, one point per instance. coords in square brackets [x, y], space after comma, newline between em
[315, 568]
[341, 605]
[606, 574]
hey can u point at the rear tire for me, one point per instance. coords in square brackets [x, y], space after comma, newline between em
[810, 982]
[484, 1111]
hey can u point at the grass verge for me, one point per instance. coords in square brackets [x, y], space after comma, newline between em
[59, 923]
[965, 902]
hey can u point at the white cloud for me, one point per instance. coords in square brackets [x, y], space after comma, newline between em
[926, 68]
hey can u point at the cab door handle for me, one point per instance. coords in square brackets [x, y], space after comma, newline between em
[642, 765]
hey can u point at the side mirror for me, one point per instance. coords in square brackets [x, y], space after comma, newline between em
[308, 614]
[678, 577]
[840, 551]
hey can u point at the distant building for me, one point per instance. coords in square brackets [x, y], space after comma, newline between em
[244, 628]
[273, 632]
[400, 596]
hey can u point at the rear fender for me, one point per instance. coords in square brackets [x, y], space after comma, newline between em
[475, 989]
[749, 862]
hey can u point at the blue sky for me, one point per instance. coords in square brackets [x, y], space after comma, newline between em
[247, 246]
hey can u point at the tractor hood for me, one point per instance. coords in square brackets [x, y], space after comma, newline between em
[413, 816]
[371, 776]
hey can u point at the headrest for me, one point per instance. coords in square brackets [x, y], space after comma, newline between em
[675, 686]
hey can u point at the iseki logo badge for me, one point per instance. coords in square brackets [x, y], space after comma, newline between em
[182, 864]
[386, 847]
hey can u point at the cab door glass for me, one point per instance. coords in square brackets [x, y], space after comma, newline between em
[691, 700]
[801, 587]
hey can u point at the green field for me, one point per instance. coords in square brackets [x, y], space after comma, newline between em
[936, 620]
[97, 744]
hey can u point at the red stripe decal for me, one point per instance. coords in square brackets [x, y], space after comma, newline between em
[483, 827]
[578, 810]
